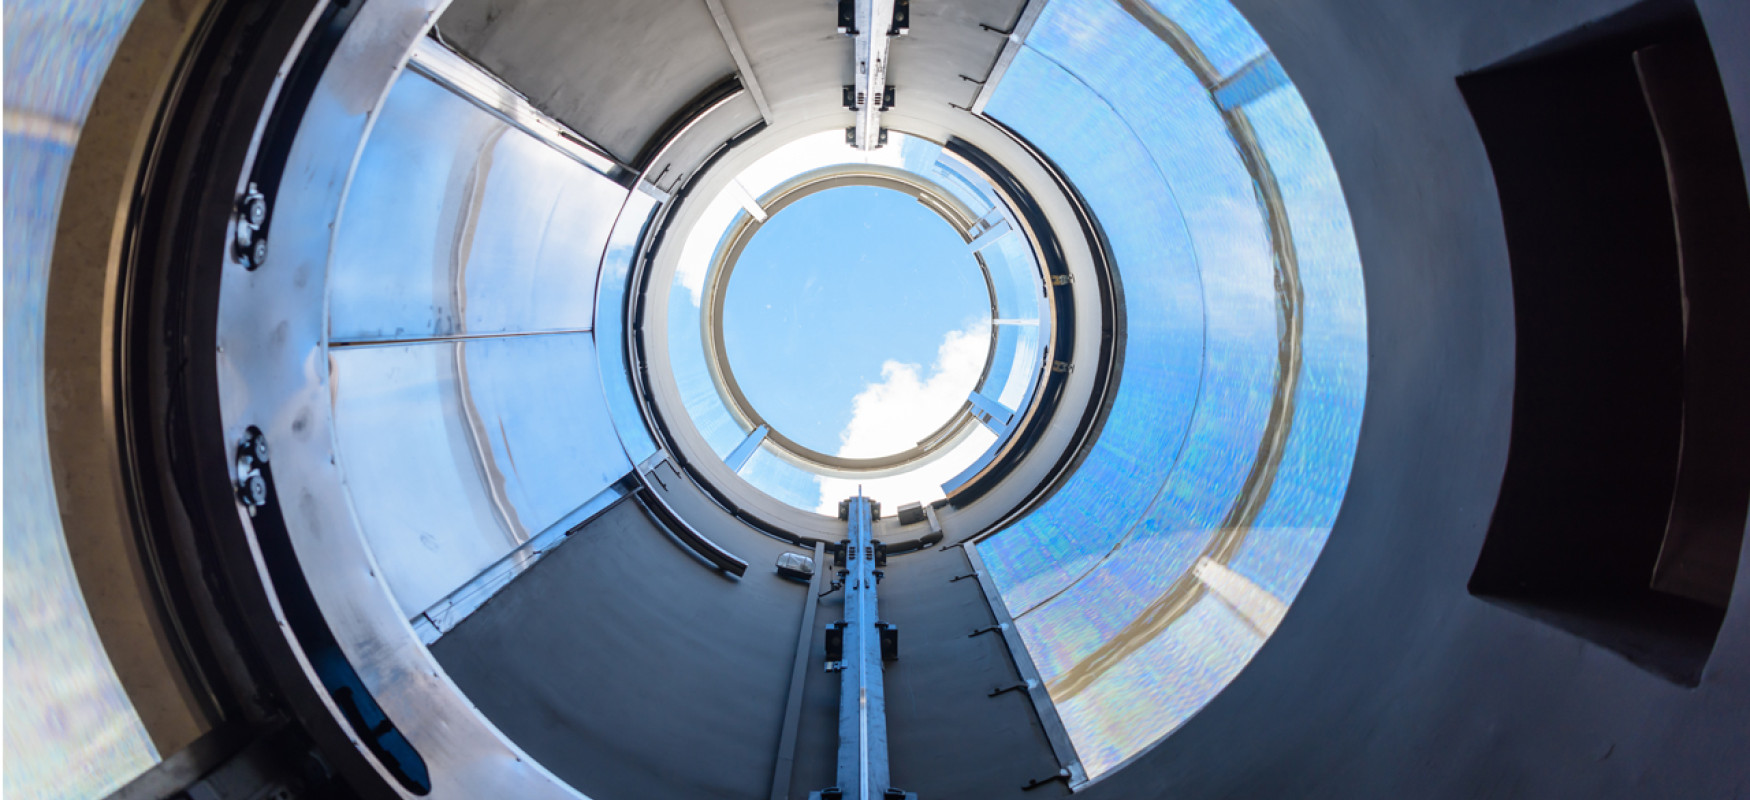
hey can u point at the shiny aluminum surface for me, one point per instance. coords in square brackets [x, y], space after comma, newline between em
[463, 224]
[274, 374]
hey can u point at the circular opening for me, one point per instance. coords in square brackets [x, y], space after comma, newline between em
[857, 321]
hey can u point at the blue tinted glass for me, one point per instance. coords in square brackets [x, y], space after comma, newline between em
[782, 480]
[698, 392]
[611, 326]
[1218, 29]
[1314, 472]
[1157, 261]
[1138, 610]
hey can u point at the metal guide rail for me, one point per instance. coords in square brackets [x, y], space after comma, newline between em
[856, 648]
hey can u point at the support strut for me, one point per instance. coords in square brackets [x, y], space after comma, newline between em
[861, 641]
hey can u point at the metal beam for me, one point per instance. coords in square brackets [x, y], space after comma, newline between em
[862, 756]
[1011, 48]
[446, 614]
[742, 65]
[995, 416]
[991, 235]
[874, 21]
[1049, 721]
[744, 451]
[468, 80]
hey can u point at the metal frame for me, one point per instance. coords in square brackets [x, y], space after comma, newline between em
[468, 80]
[728, 255]
[1055, 732]
[272, 373]
[874, 22]
[1028, 476]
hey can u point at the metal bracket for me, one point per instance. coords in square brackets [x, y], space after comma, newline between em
[252, 455]
[1062, 775]
[1018, 687]
[982, 631]
[251, 244]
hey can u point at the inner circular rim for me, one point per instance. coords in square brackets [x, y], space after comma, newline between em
[960, 218]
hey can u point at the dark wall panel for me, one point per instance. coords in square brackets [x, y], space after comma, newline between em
[630, 669]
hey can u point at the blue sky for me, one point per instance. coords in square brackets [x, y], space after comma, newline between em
[855, 291]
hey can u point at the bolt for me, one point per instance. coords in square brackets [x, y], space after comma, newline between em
[258, 252]
[258, 449]
[255, 491]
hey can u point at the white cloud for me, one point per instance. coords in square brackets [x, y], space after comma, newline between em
[906, 405]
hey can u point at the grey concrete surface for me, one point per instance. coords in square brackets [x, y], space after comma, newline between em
[614, 70]
[631, 669]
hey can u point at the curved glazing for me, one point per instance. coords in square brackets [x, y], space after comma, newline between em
[71, 730]
[1150, 579]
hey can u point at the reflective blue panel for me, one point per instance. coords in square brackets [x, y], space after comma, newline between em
[57, 51]
[1016, 390]
[494, 231]
[1155, 256]
[1314, 472]
[1219, 30]
[783, 480]
[456, 452]
[1153, 691]
[543, 412]
[1137, 617]
[1015, 275]
[71, 730]
[611, 322]
[686, 349]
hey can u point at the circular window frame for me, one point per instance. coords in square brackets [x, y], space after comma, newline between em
[727, 255]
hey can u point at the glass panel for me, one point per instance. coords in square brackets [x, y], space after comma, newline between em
[456, 452]
[686, 350]
[1314, 474]
[1002, 360]
[1153, 691]
[1015, 276]
[1219, 30]
[1017, 389]
[611, 325]
[1155, 256]
[771, 474]
[922, 483]
[495, 231]
[1122, 610]
[960, 181]
[71, 730]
